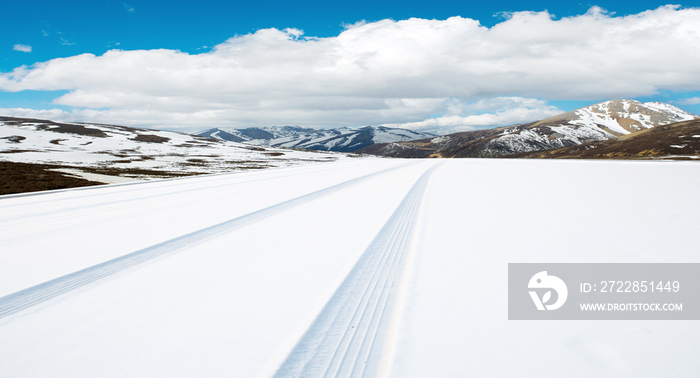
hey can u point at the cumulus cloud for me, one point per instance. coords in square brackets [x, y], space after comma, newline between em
[386, 72]
[689, 101]
[499, 111]
[171, 120]
[22, 48]
[52, 114]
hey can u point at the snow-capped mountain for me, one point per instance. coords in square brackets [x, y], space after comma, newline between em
[613, 118]
[136, 152]
[342, 139]
[602, 121]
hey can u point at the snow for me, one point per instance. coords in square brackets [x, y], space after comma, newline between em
[119, 150]
[522, 142]
[580, 135]
[530, 140]
[106, 179]
[679, 114]
[440, 139]
[588, 117]
[646, 114]
[455, 319]
[389, 135]
[292, 137]
[289, 244]
[600, 121]
[169, 208]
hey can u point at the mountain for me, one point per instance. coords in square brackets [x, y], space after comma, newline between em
[676, 141]
[109, 153]
[602, 121]
[342, 139]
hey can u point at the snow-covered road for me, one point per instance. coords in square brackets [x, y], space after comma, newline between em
[374, 267]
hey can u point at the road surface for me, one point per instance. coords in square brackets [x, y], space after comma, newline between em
[374, 267]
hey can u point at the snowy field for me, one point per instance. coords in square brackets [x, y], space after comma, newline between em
[370, 267]
[73, 146]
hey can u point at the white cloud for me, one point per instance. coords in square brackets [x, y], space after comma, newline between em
[688, 101]
[498, 111]
[66, 42]
[385, 72]
[22, 48]
[51, 114]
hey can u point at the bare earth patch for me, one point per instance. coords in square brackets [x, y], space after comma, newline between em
[23, 177]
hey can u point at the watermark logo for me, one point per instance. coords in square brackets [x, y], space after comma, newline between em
[542, 281]
[604, 291]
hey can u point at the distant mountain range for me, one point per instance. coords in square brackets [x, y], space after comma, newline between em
[616, 129]
[598, 122]
[342, 139]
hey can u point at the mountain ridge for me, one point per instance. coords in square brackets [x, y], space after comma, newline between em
[601, 121]
[674, 141]
[343, 139]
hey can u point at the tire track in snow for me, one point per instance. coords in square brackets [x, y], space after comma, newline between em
[351, 336]
[35, 295]
[136, 200]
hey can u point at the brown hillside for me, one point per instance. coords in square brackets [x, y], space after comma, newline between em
[679, 140]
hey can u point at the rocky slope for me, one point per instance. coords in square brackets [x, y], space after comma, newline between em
[343, 139]
[602, 121]
[675, 141]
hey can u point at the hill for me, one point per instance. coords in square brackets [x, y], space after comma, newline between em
[676, 141]
[344, 139]
[41, 154]
[602, 121]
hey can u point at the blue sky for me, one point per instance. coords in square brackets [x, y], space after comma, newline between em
[40, 31]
